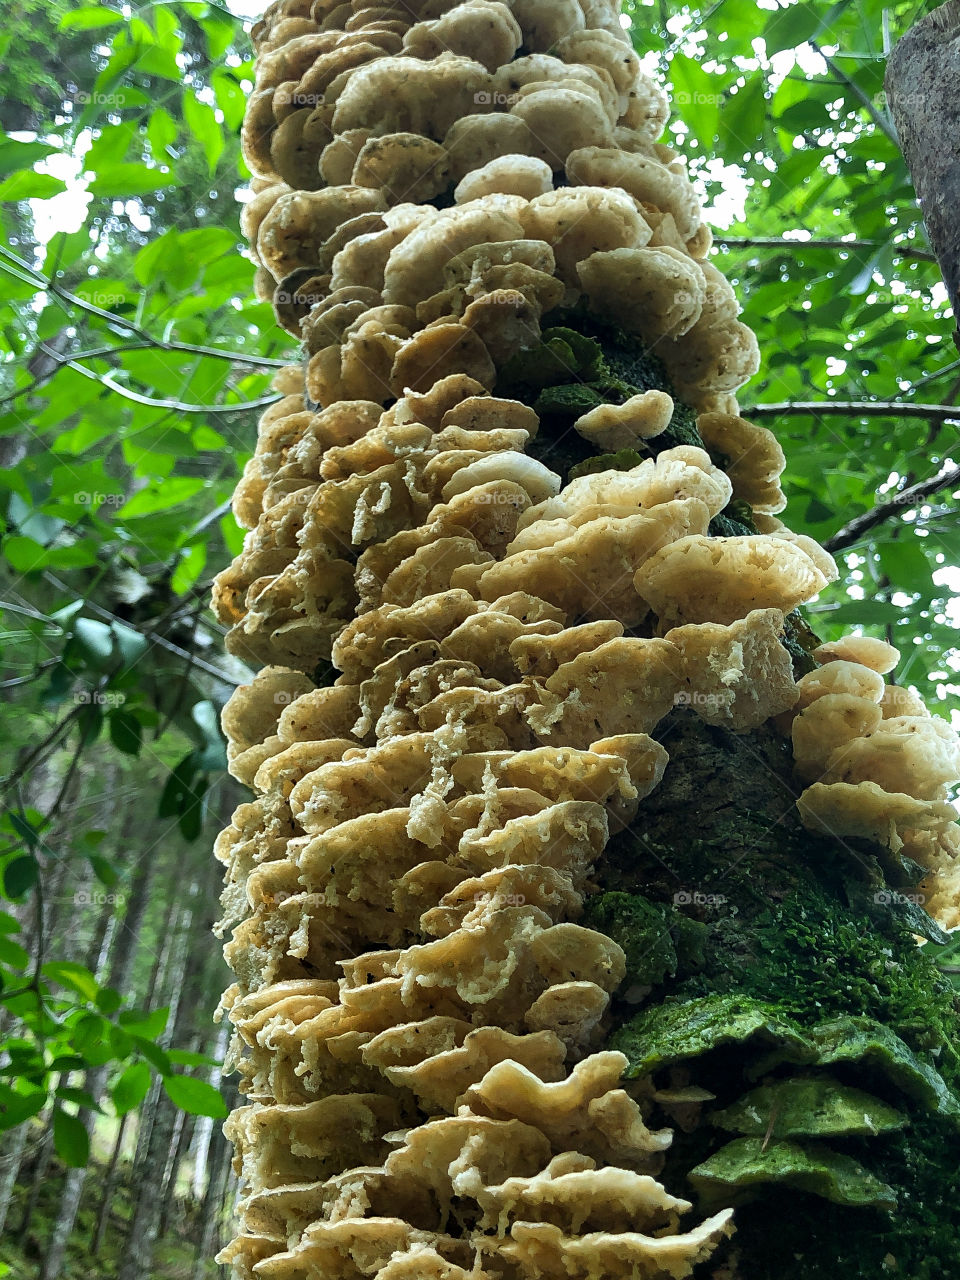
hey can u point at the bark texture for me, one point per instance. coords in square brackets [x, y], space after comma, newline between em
[923, 91]
[574, 914]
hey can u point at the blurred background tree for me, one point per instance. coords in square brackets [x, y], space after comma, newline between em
[133, 360]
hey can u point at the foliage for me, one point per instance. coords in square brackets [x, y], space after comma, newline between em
[806, 133]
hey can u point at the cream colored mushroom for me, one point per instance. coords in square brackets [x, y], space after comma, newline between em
[614, 427]
[699, 579]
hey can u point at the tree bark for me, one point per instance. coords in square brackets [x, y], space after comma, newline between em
[124, 934]
[923, 92]
[747, 940]
[148, 1177]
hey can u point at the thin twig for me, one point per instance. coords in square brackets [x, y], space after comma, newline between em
[855, 409]
[905, 500]
[175, 406]
[25, 766]
[150, 635]
[779, 242]
[882, 121]
[46, 285]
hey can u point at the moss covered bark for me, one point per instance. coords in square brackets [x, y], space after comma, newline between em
[773, 969]
[760, 953]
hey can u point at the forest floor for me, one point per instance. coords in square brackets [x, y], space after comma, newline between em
[22, 1251]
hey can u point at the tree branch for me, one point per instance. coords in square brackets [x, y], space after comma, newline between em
[855, 409]
[882, 121]
[48, 285]
[779, 242]
[905, 500]
[176, 406]
[150, 635]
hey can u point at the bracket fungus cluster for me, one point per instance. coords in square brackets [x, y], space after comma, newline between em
[467, 644]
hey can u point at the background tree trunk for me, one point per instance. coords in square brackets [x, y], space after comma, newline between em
[923, 91]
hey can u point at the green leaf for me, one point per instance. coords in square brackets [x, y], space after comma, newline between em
[153, 1054]
[162, 131]
[792, 26]
[27, 185]
[189, 569]
[124, 180]
[19, 877]
[126, 732]
[161, 497]
[26, 555]
[95, 640]
[196, 1097]
[12, 954]
[89, 19]
[76, 977]
[130, 1088]
[108, 1001]
[698, 97]
[21, 155]
[201, 120]
[70, 1139]
[147, 1026]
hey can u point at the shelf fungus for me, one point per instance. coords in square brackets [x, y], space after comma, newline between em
[505, 529]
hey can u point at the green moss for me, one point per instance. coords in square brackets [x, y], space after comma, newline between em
[808, 1106]
[791, 1235]
[580, 364]
[800, 640]
[625, 460]
[642, 929]
[680, 1029]
[821, 960]
[740, 1167]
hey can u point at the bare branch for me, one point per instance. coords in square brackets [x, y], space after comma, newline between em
[779, 242]
[175, 406]
[47, 285]
[905, 500]
[880, 118]
[855, 409]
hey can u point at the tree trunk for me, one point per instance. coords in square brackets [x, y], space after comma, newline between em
[923, 91]
[109, 1189]
[214, 1201]
[206, 1126]
[149, 1169]
[616, 868]
[120, 967]
[11, 1156]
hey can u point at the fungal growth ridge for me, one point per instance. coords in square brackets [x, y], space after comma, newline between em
[506, 527]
